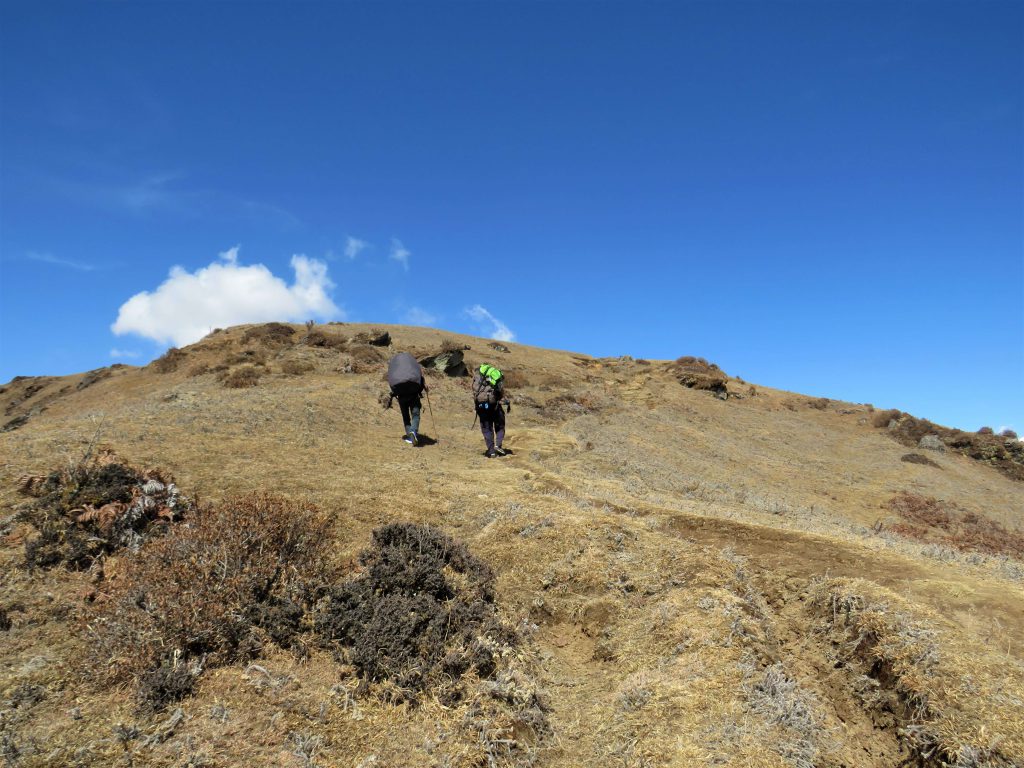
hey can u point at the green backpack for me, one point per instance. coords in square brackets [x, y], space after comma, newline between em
[491, 374]
[490, 380]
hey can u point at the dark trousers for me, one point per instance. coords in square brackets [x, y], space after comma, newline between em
[409, 403]
[492, 424]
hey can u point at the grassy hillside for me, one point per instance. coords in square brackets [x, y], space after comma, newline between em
[656, 576]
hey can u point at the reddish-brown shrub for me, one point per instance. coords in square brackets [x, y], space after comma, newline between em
[930, 519]
[318, 338]
[198, 369]
[215, 590]
[240, 378]
[986, 431]
[1009, 433]
[883, 418]
[169, 361]
[271, 334]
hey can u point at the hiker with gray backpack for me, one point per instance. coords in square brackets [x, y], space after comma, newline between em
[405, 377]
[488, 398]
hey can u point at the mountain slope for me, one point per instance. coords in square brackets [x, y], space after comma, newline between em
[697, 580]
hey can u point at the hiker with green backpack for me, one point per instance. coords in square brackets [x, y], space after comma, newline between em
[488, 399]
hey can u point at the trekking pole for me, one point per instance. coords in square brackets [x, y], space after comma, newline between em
[433, 424]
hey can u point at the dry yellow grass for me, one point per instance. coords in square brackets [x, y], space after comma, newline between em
[699, 581]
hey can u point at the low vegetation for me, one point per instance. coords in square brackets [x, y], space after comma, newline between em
[420, 615]
[931, 520]
[237, 576]
[94, 507]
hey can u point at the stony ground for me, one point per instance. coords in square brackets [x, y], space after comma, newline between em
[697, 581]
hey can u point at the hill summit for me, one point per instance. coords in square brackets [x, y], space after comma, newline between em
[229, 557]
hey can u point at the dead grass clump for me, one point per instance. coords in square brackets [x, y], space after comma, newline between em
[1009, 433]
[247, 357]
[317, 338]
[780, 700]
[240, 378]
[198, 369]
[95, 507]
[237, 576]
[366, 357]
[449, 344]
[567, 406]
[932, 520]
[698, 373]
[819, 404]
[917, 458]
[882, 419]
[296, 367]
[515, 379]
[420, 615]
[269, 334]
[169, 361]
[986, 431]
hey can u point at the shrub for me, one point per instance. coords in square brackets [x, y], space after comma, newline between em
[236, 576]
[1008, 433]
[95, 507]
[421, 614]
[986, 431]
[698, 373]
[820, 403]
[247, 357]
[240, 378]
[272, 334]
[317, 338]
[169, 361]
[296, 367]
[930, 519]
[882, 418]
[375, 337]
[198, 369]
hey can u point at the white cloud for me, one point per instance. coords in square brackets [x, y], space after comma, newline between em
[49, 258]
[418, 316]
[354, 246]
[115, 352]
[188, 305]
[400, 253]
[500, 331]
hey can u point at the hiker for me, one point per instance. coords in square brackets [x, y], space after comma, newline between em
[489, 397]
[405, 377]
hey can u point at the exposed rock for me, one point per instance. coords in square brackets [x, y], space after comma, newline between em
[917, 458]
[384, 340]
[15, 423]
[499, 347]
[931, 443]
[451, 363]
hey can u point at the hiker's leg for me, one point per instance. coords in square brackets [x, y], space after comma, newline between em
[415, 408]
[499, 426]
[406, 415]
[487, 427]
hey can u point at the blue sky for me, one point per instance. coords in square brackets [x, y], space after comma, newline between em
[823, 197]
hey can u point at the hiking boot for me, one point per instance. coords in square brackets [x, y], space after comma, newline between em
[409, 439]
[491, 453]
[500, 451]
[415, 440]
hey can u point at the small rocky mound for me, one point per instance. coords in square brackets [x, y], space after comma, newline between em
[449, 362]
[420, 615]
[1003, 453]
[98, 506]
[698, 373]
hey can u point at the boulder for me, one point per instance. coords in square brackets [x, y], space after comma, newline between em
[450, 363]
[931, 443]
